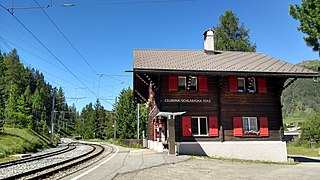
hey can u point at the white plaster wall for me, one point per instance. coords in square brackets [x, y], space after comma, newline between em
[155, 145]
[274, 151]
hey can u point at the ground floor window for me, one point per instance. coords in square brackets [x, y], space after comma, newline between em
[199, 126]
[249, 125]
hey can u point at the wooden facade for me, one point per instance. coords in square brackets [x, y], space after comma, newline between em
[207, 102]
[216, 101]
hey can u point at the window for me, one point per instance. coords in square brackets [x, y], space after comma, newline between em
[247, 84]
[199, 126]
[251, 87]
[241, 85]
[249, 124]
[192, 83]
[181, 83]
[190, 86]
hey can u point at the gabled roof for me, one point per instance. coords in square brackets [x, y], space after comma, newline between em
[222, 62]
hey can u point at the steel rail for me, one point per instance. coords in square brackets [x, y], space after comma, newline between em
[45, 172]
[34, 158]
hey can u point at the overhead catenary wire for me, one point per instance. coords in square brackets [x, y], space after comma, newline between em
[64, 36]
[38, 49]
[135, 2]
[73, 46]
[55, 57]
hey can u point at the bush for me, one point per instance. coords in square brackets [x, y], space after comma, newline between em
[310, 128]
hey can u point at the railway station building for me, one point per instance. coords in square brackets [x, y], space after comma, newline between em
[214, 103]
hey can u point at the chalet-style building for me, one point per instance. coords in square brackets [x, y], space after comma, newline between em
[214, 103]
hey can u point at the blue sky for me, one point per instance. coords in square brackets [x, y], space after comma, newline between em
[105, 32]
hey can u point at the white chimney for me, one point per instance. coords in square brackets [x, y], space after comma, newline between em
[208, 40]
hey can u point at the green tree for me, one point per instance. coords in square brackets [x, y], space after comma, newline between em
[126, 115]
[310, 128]
[22, 113]
[89, 122]
[229, 36]
[1, 91]
[143, 120]
[101, 119]
[309, 16]
[109, 129]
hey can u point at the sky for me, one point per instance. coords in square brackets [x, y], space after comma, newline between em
[104, 33]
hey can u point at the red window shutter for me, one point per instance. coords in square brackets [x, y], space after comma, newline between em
[213, 126]
[233, 84]
[186, 126]
[262, 85]
[237, 126]
[264, 128]
[203, 83]
[173, 83]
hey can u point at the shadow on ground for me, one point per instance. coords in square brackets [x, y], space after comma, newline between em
[305, 159]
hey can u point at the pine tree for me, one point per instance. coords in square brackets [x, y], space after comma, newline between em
[1, 91]
[309, 16]
[126, 115]
[229, 36]
[101, 119]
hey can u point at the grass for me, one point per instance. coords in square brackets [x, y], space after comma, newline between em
[16, 141]
[303, 151]
[296, 117]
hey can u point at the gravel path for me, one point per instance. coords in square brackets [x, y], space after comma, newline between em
[205, 168]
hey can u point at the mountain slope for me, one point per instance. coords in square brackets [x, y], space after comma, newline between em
[302, 97]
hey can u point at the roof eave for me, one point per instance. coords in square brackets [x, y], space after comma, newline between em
[227, 73]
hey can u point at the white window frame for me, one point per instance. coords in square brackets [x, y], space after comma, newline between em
[185, 83]
[199, 129]
[194, 77]
[244, 84]
[249, 126]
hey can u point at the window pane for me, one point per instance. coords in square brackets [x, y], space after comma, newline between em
[182, 83]
[241, 85]
[245, 124]
[251, 87]
[203, 126]
[194, 125]
[253, 124]
[192, 84]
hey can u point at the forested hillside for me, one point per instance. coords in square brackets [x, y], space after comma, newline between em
[302, 97]
[26, 101]
[26, 98]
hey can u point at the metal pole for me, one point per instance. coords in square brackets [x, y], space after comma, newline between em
[138, 115]
[52, 119]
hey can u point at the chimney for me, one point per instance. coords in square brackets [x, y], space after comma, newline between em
[208, 40]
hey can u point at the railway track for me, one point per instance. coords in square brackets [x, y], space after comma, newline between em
[46, 165]
[69, 147]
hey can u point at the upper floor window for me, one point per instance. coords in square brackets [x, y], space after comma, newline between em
[188, 83]
[182, 83]
[242, 84]
[192, 83]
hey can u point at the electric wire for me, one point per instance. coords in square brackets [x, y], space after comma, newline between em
[135, 2]
[5, 41]
[64, 36]
[72, 45]
[38, 49]
[47, 49]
